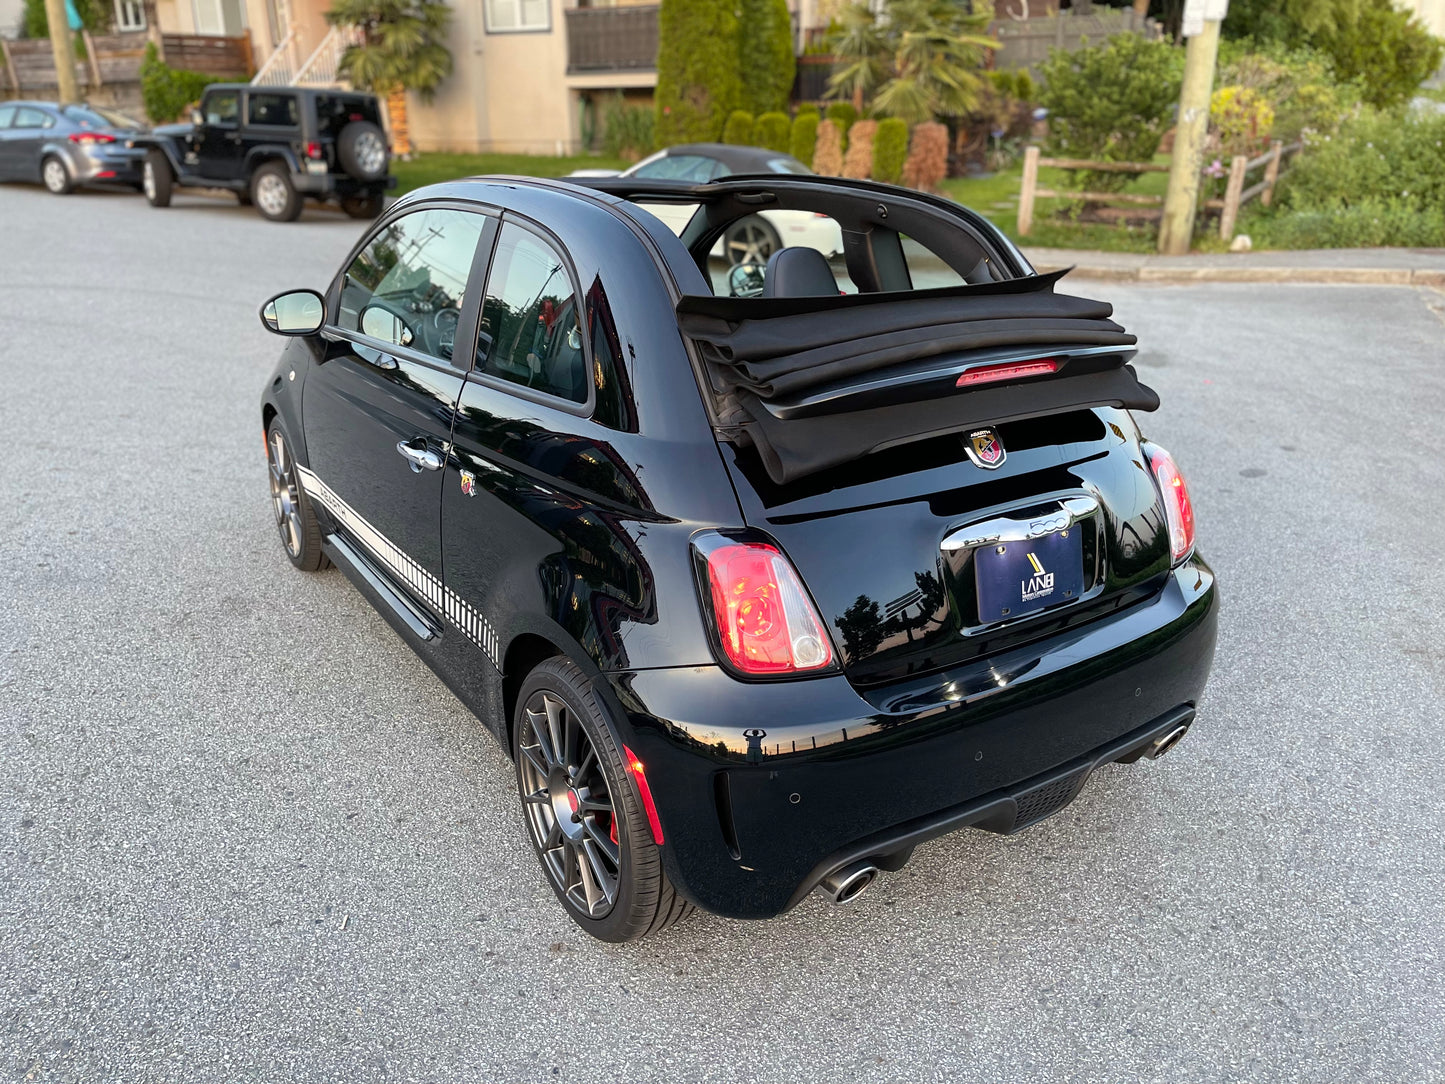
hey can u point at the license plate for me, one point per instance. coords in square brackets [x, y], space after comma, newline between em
[1016, 579]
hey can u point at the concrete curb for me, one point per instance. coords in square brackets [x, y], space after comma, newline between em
[1364, 276]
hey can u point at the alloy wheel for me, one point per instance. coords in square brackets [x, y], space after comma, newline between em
[569, 807]
[285, 497]
[271, 194]
[371, 153]
[55, 176]
[749, 242]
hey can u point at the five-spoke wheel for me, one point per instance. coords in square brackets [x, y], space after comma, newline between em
[295, 522]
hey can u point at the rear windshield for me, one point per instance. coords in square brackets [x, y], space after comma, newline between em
[89, 116]
[335, 111]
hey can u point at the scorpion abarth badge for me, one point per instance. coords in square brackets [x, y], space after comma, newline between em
[469, 483]
[985, 449]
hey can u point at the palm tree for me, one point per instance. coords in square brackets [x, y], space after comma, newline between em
[402, 48]
[923, 56]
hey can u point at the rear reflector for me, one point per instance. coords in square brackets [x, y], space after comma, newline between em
[765, 621]
[87, 138]
[1178, 509]
[1007, 370]
[634, 769]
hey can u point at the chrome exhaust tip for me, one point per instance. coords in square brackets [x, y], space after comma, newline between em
[1163, 744]
[848, 883]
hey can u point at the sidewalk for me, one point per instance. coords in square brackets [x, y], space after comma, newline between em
[1370, 266]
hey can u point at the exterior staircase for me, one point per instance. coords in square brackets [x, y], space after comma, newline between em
[284, 67]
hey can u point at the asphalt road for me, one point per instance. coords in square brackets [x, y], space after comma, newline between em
[245, 835]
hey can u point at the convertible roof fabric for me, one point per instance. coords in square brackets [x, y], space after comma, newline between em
[759, 351]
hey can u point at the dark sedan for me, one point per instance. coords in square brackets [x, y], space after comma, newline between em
[67, 146]
[760, 587]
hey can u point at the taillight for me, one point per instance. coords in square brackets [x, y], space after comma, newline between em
[86, 138]
[765, 622]
[1007, 370]
[313, 150]
[1178, 509]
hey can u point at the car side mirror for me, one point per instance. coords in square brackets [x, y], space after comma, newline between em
[296, 312]
[746, 280]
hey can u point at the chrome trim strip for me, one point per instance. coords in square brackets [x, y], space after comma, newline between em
[1009, 529]
[396, 562]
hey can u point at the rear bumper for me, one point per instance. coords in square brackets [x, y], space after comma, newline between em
[763, 789]
[106, 164]
[338, 185]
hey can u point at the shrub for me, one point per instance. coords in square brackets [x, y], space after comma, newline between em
[1015, 83]
[858, 162]
[772, 132]
[1387, 50]
[765, 55]
[627, 130]
[1110, 102]
[803, 140]
[167, 91]
[1299, 84]
[808, 109]
[1366, 224]
[1242, 119]
[739, 129]
[697, 70]
[890, 150]
[828, 157]
[927, 163]
[843, 115]
[95, 16]
[1379, 160]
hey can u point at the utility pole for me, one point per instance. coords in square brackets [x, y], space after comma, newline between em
[1201, 28]
[60, 45]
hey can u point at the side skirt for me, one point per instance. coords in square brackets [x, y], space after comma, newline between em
[344, 553]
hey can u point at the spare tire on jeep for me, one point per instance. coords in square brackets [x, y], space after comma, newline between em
[362, 149]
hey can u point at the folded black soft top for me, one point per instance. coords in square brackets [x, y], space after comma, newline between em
[813, 382]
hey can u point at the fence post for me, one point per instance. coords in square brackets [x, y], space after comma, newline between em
[90, 55]
[1231, 197]
[1271, 172]
[10, 66]
[1026, 191]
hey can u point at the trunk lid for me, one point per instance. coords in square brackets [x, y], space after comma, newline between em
[891, 546]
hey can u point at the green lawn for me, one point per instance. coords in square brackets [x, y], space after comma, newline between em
[995, 197]
[426, 169]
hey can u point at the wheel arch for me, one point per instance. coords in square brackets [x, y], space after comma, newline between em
[257, 157]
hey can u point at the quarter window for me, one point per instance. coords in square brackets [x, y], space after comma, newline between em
[530, 331]
[505, 15]
[275, 110]
[33, 118]
[407, 286]
[223, 107]
[7, 114]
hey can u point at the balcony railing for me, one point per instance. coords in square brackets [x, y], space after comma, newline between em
[612, 39]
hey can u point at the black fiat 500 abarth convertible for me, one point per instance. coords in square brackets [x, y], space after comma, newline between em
[762, 574]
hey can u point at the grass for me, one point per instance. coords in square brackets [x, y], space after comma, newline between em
[424, 169]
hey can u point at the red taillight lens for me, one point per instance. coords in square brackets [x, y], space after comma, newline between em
[765, 621]
[1178, 509]
[634, 769]
[313, 150]
[87, 138]
[1007, 370]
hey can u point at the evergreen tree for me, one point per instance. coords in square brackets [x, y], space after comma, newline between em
[698, 83]
[766, 64]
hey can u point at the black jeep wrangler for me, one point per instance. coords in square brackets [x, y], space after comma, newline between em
[273, 147]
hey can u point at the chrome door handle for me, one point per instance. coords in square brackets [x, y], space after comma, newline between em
[419, 458]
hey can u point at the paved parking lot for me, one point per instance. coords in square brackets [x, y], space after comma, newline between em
[245, 835]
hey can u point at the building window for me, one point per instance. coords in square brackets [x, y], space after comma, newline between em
[130, 15]
[510, 16]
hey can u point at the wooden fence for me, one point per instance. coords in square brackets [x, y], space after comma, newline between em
[1024, 43]
[1236, 195]
[109, 59]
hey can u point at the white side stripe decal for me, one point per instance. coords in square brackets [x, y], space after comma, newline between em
[457, 610]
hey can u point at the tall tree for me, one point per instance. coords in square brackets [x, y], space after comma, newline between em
[403, 48]
[766, 64]
[697, 70]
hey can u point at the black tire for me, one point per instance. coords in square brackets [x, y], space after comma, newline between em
[55, 175]
[295, 520]
[273, 194]
[750, 240]
[643, 901]
[157, 179]
[362, 151]
[363, 206]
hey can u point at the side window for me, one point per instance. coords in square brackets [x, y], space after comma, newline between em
[530, 331]
[223, 107]
[407, 286]
[679, 167]
[33, 118]
[7, 114]
[272, 110]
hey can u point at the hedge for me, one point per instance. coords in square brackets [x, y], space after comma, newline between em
[739, 129]
[803, 141]
[890, 150]
[772, 132]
